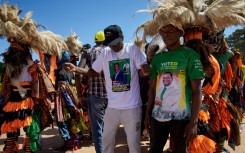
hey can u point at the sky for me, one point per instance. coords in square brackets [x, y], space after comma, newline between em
[85, 18]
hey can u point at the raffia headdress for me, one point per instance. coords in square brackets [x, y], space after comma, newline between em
[26, 31]
[74, 44]
[186, 15]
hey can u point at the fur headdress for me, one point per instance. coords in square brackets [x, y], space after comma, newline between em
[187, 15]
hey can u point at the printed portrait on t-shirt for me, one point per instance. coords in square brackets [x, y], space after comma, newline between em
[168, 96]
[168, 93]
[120, 74]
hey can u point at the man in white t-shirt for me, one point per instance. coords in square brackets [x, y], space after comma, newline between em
[124, 102]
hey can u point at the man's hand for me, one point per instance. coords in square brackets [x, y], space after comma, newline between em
[69, 67]
[145, 69]
[158, 101]
[190, 131]
[147, 121]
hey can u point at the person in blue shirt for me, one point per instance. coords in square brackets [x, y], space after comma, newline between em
[119, 76]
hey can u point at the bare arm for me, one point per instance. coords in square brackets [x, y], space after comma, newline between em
[196, 100]
[191, 128]
[150, 103]
[86, 71]
[144, 70]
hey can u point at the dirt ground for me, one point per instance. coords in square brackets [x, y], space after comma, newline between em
[52, 140]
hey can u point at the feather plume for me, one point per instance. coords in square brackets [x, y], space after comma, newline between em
[140, 43]
[2, 28]
[25, 30]
[73, 43]
[27, 19]
[226, 13]
[212, 15]
[13, 31]
[157, 40]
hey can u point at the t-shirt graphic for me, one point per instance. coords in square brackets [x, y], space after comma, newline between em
[120, 78]
[173, 72]
[168, 96]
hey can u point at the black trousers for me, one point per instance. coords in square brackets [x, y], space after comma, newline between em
[160, 133]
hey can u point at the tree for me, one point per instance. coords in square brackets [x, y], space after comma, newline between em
[1, 71]
[237, 40]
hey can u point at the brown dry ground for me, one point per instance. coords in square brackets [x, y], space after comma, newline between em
[52, 140]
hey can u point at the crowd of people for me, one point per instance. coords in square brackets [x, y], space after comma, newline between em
[190, 91]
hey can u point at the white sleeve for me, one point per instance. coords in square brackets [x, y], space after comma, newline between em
[98, 63]
[139, 56]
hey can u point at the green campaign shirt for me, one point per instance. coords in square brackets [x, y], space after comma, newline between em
[173, 72]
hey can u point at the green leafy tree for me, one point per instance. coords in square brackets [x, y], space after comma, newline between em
[237, 41]
[1, 74]
[1, 67]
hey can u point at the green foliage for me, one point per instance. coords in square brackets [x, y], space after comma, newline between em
[237, 40]
[240, 45]
[1, 67]
[1, 71]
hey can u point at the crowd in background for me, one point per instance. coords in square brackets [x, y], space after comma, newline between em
[189, 92]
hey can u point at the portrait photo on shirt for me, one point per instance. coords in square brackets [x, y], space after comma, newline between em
[120, 74]
[168, 93]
